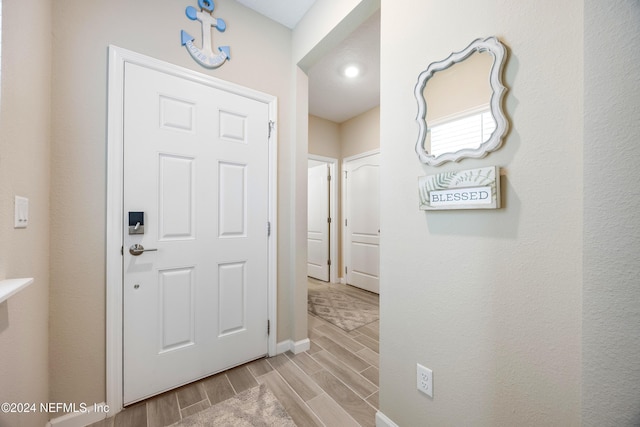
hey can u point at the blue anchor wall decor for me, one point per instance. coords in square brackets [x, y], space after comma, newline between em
[205, 55]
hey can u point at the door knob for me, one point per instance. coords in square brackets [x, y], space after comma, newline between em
[137, 249]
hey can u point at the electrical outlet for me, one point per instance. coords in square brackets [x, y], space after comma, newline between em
[21, 217]
[425, 380]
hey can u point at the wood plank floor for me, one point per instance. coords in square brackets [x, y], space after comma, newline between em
[335, 383]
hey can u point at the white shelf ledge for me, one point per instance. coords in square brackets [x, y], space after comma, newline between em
[11, 287]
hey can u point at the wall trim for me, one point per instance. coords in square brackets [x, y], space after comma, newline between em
[301, 346]
[383, 421]
[81, 419]
[294, 347]
[361, 155]
[118, 57]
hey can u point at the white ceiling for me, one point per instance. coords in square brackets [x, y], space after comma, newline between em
[286, 12]
[333, 96]
[336, 97]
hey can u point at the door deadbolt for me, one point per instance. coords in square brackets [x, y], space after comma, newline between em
[136, 222]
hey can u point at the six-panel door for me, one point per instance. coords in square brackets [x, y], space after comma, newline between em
[196, 164]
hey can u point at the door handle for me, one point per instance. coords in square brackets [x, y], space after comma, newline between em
[137, 249]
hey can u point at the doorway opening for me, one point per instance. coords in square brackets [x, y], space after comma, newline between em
[346, 129]
[322, 219]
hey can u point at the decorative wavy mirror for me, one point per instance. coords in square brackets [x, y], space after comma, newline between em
[460, 111]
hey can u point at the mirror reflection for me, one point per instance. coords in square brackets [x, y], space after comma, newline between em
[458, 111]
[460, 104]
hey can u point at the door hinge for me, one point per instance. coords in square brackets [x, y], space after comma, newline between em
[345, 222]
[271, 126]
[346, 270]
[268, 228]
[329, 262]
[329, 220]
[268, 326]
[121, 250]
[328, 177]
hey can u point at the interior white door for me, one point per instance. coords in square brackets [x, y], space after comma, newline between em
[196, 163]
[318, 222]
[362, 222]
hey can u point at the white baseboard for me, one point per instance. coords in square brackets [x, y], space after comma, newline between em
[93, 413]
[283, 346]
[295, 347]
[300, 346]
[383, 421]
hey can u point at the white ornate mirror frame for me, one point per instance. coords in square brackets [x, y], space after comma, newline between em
[498, 51]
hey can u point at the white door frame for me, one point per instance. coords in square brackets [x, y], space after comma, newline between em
[346, 250]
[333, 213]
[118, 57]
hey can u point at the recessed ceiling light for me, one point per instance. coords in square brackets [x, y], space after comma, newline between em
[352, 71]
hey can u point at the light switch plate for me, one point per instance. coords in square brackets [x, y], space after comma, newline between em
[21, 217]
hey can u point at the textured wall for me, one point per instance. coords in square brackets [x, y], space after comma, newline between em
[490, 300]
[260, 59]
[25, 122]
[324, 137]
[611, 295]
[361, 133]
[354, 136]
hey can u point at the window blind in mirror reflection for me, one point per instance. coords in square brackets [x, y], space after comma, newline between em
[468, 131]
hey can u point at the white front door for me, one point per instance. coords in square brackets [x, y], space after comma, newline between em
[318, 222]
[196, 164]
[362, 222]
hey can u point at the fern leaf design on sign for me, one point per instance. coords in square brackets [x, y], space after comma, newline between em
[469, 189]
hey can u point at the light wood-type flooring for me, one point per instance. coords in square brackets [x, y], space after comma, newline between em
[335, 383]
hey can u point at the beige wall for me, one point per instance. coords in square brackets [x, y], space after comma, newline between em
[349, 138]
[260, 59]
[298, 242]
[360, 134]
[611, 295]
[25, 121]
[490, 300]
[324, 137]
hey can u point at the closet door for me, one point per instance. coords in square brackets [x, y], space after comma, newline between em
[362, 222]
